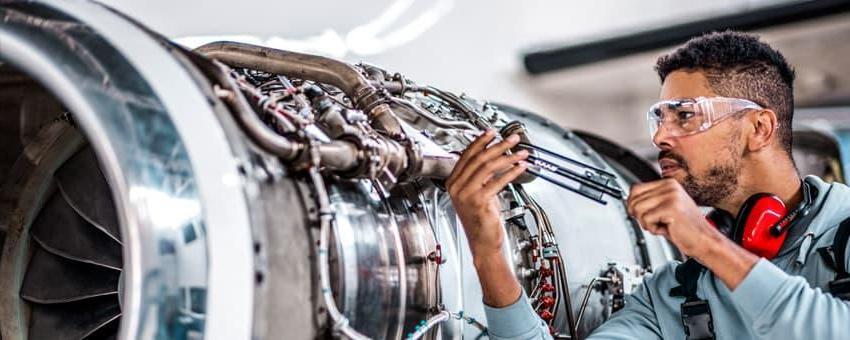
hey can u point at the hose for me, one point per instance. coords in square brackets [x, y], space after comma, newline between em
[339, 322]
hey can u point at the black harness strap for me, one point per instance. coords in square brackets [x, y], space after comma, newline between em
[840, 287]
[839, 248]
[687, 275]
[696, 315]
[827, 256]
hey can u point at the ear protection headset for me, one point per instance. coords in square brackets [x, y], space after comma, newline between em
[761, 225]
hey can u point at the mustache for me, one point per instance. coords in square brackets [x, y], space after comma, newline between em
[674, 156]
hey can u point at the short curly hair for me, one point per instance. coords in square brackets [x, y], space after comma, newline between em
[739, 65]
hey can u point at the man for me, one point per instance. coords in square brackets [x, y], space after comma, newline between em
[731, 140]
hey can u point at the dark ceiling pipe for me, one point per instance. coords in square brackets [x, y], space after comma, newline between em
[543, 61]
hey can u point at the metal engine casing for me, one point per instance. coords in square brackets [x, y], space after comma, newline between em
[176, 156]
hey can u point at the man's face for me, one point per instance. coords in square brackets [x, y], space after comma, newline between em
[707, 164]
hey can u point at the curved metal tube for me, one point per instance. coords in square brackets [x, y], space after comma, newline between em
[431, 323]
[311, 67]
[443, 123]
[339, 155]
[586, 297]
[340, 322]
[259, 133]
[330, 115]
[336, 155]
[547, 234]
[436, 167]
[457, 103]
[291, 64]
[443, 316]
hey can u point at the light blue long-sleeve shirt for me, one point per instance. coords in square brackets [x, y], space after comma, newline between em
[784, 298]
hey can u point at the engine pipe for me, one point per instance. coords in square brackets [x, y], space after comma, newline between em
[340, 323]
[311, 67]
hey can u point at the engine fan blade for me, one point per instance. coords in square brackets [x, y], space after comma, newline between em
[59, 230]
[107, 332]
[51, 279]
[76, 320]
[86, 190]
[72, 278]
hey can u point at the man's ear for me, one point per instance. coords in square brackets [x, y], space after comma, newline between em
[764, 127]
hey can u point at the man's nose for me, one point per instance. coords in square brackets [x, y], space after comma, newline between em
[662, 138]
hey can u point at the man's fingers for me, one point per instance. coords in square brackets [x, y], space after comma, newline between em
[652, 195]
[500, 148]
[634, 198]
[490, 169]
[473, 149]
[476, 146]
[637, 206]
[641, 188]
[639, 210]
[496, 185]
[480, 158]
[489, 154]
[657, 221]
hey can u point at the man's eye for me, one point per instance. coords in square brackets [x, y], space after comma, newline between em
[656, 113]
[685, 115]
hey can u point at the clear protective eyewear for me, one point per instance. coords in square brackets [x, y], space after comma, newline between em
[683, 117]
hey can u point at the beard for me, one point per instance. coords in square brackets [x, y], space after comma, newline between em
[718, 183]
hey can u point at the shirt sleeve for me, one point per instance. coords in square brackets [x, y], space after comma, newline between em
[637, 319]
[782, 306]
[517, 321]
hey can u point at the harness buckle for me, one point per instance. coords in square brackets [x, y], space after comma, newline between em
[697, 320]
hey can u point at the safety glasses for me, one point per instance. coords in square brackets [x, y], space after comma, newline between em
[683, 117]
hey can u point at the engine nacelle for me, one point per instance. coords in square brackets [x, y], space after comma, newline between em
[238, 191]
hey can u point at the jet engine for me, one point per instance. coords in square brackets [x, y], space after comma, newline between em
[149, 191]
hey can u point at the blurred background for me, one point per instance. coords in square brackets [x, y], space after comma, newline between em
[587, 65]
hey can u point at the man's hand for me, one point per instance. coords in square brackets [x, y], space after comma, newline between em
[664, 208]
[480, 174]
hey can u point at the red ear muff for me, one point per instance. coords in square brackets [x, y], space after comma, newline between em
[762, 221]
[755, 227]
[722, 220]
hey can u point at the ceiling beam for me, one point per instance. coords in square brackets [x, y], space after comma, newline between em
[543, 61]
